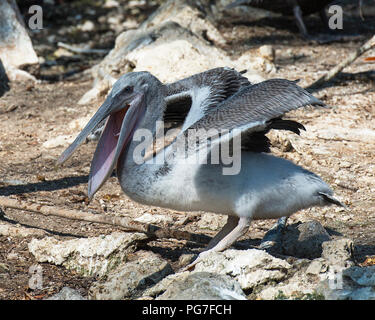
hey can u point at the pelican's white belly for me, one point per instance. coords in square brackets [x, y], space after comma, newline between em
[266, 187]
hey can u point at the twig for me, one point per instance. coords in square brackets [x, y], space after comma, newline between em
[360, 3]
[338, 68]
[152, 231]
[80, 50]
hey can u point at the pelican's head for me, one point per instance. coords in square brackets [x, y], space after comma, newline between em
[124, 109]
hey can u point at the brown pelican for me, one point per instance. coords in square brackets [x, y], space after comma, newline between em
[265, 187]
[298, 8]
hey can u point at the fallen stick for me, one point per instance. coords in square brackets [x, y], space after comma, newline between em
[338, 68]
[150, 230]
[80, 50]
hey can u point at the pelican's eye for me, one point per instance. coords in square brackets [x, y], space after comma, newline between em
[128, 89]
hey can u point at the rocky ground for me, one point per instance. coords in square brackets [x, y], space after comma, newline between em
[39, 256]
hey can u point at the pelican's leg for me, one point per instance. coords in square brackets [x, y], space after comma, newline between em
[232, 222]
[300, 24]
[225, 241]
[272, 239]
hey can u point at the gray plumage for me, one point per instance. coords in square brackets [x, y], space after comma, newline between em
[258, 108]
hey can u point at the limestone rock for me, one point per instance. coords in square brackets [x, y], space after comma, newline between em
[246, 268]
[193, 15]
[16, 49]
[92, 256]
[249, 267]
[342, 287]
[128, 278]
[58, 141]
[338, 252]
[164, 284]
[67, 293]
[9, 230]
[15, 45]
[317, 266]
[154, 219]
[169, 51]
[204, 286]
[15, 74]
[211, 221]
[298, 286]
[100, 89]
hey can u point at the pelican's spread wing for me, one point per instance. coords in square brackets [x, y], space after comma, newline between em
[191, 98]
[253, 111]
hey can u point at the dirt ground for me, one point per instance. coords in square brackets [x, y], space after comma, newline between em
[31, 114]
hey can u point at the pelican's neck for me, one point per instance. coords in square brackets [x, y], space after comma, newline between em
[144, 134]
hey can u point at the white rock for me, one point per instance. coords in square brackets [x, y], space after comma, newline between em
[338, 252]
[100, 88]
[87, 26]
[162, 286]
[15, 74]
[91, 256]
[67, 293]
[299, 285]
[79, 123]
[316, 267]
[343, 132]
[15, 45]
[249, 267]
[59, 141]
[189, 15]
[345, 291]
[9, 230]
[168, 51]
[128, 278]
[267, 52]
[251, 61]
[211, 221]
[154, 219]
[177, 59]
[204, 286]
[111, 4]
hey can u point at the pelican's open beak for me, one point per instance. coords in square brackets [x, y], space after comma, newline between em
[122, 120]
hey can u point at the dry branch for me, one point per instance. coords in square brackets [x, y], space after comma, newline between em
[338, 68]
[80, 50]
[152, 231]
